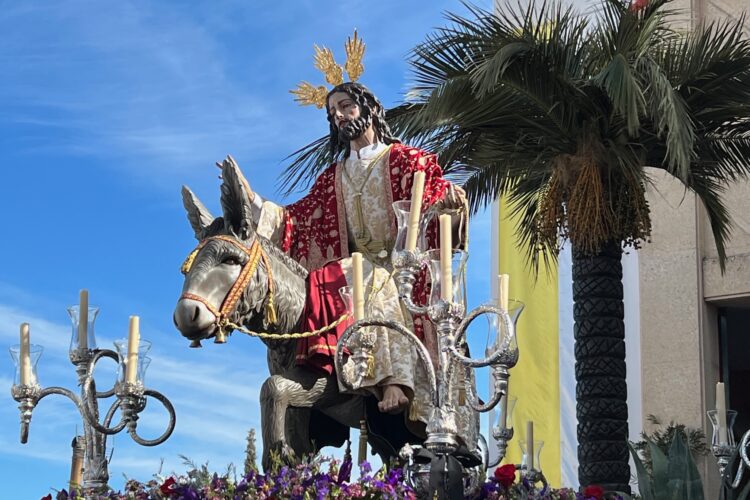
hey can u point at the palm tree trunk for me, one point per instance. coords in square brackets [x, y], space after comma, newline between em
[601, 389]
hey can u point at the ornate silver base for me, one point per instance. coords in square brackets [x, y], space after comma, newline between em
[722, 452]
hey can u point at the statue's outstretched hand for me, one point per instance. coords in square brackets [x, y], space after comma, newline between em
[231, 161]
[454, 200]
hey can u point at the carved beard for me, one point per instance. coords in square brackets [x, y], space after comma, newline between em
[355, 128]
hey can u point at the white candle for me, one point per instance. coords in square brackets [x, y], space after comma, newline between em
[446, 255]
[76, 464]
[83, 319]
[25, 356]
[721, 412]
[358, 291]
[530, 443]
[134, 337]
[502, 291]
[412, 230]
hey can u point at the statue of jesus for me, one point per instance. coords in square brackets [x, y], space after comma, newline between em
[349, 209]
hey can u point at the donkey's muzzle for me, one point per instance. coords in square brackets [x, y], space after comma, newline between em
[193, 319]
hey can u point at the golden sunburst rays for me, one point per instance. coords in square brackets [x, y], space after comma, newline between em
[307, 94]
[355, 51]
[327, 65]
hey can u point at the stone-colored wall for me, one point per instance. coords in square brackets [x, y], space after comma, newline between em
[682, 284]
[679, 360]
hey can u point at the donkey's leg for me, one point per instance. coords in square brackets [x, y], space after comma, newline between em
[298, 388]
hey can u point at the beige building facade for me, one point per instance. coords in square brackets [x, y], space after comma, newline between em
[694, 319]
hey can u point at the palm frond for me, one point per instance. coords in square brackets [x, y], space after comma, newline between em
[669, 113]
[709, 189]
[307, 162]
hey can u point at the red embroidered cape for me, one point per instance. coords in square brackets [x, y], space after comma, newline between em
[315, 235]
[315, 227]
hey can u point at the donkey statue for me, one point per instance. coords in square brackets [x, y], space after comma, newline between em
[232, 277]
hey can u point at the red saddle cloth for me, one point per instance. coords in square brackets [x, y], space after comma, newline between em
[323, 306]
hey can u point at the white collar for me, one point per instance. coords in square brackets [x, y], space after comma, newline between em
[368, 152]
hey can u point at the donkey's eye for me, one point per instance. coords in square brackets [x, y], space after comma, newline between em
[231, 261]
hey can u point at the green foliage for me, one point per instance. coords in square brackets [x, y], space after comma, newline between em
[250, 453]
[673, 476]
[560, 112]
[663, 436]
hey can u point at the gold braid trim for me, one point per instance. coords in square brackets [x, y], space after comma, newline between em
[244, 278]
[289, 336]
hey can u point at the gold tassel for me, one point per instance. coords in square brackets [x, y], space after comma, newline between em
[362, 455]
[413, 411]
[370, 366]
[221, 337]
[195, 343]
[271, 312]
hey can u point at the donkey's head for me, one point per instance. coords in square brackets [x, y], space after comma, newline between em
[226, 275]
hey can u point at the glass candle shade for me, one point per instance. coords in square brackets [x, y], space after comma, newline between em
[715, 436]
[499, 419]
[458, 274]
[347, 297]
[35, 352]
[76, 339]
[121, 346]
[500, 335]
[538, 445]
[402, 209]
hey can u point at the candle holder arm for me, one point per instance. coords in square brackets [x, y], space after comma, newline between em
[476, 404]
[743, 450]
[503, 355]
[28, 396]
[111, 414]
[410, 305]
[394, 326]
[88, 406]
[132, 421]
[501, 359]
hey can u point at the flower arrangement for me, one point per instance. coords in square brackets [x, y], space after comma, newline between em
[319, 478]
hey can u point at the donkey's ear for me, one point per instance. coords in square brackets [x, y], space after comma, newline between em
[235, 201]
[198, 215]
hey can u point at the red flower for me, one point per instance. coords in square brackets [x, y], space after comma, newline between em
[168, 487]
[48, 497]
[638, 5]
[594, 491]
[506, 475]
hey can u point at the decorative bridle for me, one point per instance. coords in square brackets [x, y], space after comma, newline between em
[254, 254]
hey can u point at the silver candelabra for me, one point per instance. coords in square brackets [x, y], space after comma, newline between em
[451, 322]
[724, 448]
[131, 395]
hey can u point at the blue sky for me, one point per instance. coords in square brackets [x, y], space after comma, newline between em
[105, 111]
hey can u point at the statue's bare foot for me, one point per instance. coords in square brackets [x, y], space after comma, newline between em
[394, 399]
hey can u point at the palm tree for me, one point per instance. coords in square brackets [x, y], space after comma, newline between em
[560, 113]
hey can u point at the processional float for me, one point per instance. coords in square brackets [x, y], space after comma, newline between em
[89, 470]
[429, 466]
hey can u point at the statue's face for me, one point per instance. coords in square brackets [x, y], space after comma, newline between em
[347, 117]
[342, 109]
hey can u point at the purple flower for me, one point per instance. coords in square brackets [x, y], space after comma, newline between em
[345, 472]
[365, 467]
[394, 476]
